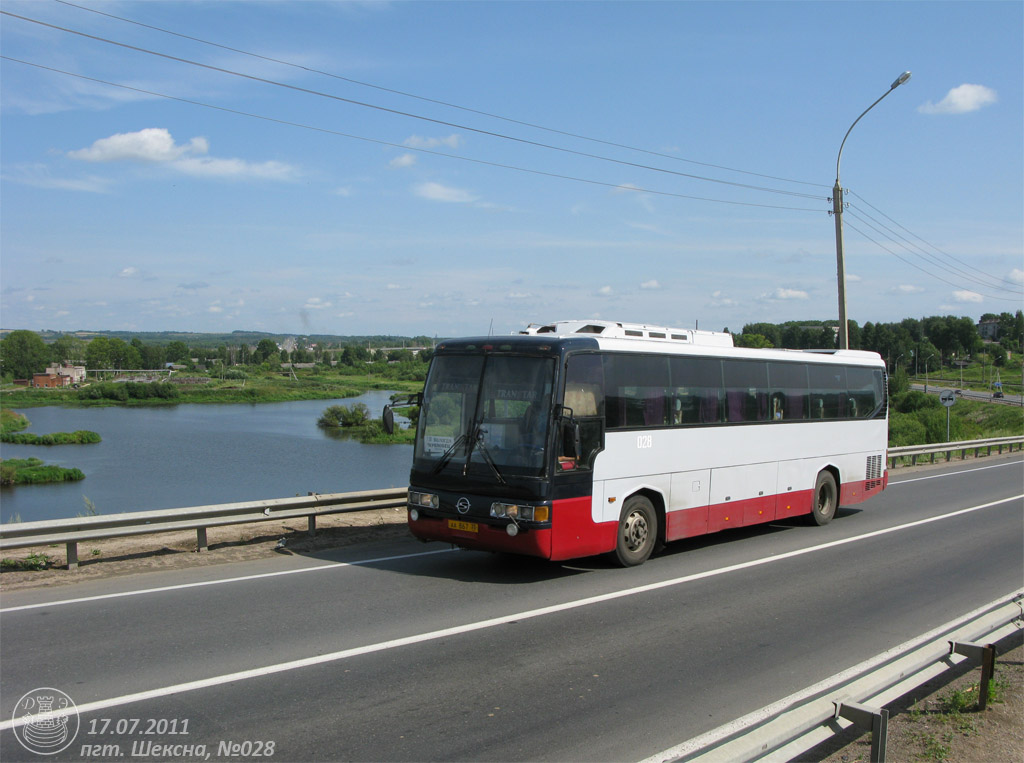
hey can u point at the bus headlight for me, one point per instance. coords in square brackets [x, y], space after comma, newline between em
[429, 500]
[517, 511]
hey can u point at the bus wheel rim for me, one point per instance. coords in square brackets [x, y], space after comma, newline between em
[636, 530]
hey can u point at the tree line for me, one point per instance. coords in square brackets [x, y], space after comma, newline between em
[24, 353]
[924, 344]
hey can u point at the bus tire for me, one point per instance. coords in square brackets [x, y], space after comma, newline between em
[638, 532]
[825, 500]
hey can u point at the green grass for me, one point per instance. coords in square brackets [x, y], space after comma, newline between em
[32, 471]
[31, 562]
[78, 437]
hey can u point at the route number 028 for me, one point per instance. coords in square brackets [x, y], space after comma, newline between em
[645, 441]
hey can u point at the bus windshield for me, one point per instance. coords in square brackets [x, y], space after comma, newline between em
[486, 415]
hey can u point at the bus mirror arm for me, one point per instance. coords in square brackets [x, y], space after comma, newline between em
[388, 416]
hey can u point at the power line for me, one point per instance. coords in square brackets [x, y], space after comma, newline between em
[923, 270]
[436, 101]
[398, 112]
[1015, 287]
[616, 186]
[882, 229]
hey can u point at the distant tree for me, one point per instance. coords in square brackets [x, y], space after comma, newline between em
[264, 350]
[178, 352]
[97, 353]
[23, 353]
[752, 340]
[67, 349]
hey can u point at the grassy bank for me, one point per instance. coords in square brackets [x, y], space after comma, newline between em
[268, 387]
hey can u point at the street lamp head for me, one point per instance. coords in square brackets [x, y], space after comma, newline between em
[900, 80]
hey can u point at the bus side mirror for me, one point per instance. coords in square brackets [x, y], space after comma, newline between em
[568, 418]
[388, 418]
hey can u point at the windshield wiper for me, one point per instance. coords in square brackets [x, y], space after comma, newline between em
[477, 436]
[447, 455]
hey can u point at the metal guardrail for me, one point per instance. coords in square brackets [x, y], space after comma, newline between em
[949, 448]
[787, 729]
[198, 518]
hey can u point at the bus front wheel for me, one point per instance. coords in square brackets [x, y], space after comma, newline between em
[638, 532]
[826, 499]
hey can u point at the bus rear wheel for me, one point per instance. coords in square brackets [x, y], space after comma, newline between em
[638, 532]
[826, 499]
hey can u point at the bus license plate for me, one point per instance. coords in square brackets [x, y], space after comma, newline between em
[469, 527]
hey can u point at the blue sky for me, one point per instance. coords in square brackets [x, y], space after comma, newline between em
[123, 209]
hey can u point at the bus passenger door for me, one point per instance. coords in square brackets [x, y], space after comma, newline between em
[688, 504]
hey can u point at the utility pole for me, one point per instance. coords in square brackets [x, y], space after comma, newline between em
[837, 210]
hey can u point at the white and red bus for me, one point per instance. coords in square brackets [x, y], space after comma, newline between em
[587, 437]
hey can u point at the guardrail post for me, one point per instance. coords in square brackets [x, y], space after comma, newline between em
[870, 719]
[201, 544]
[311, 525]
[986, 654]
[72, 549]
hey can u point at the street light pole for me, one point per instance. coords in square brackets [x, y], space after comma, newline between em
[837, 210]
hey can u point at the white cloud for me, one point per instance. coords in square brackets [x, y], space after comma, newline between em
[155, 145]
[1017, 275]
[961, 100]
[785, 294]
[438, 192]
[652, 284]
[405, 160]
[967, 296]
[38, 176]
[315, 303]
[904, 288]
[519, 295]
[718, 299]
[604, 291]
[234, 168]
[128, 273]
[415, 141]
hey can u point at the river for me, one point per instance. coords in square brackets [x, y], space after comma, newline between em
[194, 455]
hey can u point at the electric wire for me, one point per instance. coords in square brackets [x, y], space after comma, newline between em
[410, 115]
[377, 141]
[895, 238]
[438, 102]
[1015, 287]
[923, 270]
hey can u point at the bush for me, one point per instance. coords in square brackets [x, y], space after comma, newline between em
[906, 429]
[343, 416]
[915, 400]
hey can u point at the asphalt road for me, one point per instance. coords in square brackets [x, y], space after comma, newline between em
[403, 651]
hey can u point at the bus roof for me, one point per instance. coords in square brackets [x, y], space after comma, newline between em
[567, 336]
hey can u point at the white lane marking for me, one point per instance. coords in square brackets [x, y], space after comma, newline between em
[954, 474]
[239, 579]
[420, 638]
[322, 567]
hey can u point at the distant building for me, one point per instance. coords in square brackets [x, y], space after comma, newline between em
[989, 330]
[50, 380]
[75, 373]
